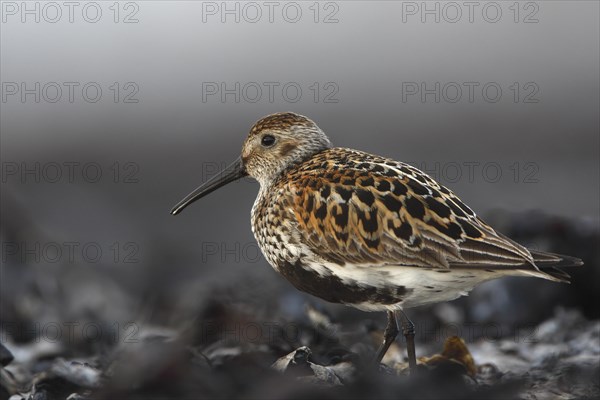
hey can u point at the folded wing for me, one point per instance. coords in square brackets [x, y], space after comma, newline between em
[353, 207]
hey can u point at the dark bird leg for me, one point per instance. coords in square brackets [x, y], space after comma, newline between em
[408, 330]
[390, 333]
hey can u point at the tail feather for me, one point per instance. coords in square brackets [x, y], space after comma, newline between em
[551, 264]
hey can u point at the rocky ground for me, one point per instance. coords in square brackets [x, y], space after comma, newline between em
[560, 358]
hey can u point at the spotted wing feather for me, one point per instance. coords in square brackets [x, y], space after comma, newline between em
[353, 207]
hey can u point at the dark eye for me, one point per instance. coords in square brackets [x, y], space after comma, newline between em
[267, 141]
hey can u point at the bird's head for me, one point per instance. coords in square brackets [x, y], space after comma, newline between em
[278, 141]
[274, 143]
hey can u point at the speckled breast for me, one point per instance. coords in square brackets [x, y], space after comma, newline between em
[272, 230]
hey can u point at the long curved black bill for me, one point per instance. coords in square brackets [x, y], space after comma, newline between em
[232, 173]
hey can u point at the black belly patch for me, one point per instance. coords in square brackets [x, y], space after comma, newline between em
[331, 288]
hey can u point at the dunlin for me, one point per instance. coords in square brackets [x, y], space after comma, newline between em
[367, 231]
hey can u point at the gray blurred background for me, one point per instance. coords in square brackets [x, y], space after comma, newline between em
[531, 151]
